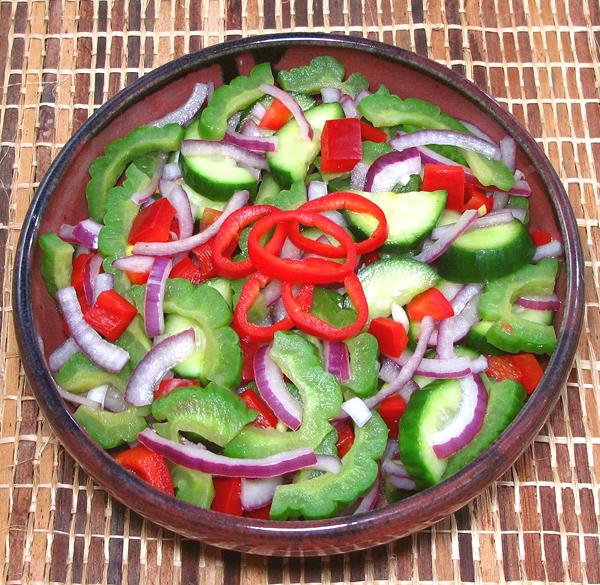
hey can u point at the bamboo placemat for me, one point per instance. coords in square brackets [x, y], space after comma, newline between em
[61, 59]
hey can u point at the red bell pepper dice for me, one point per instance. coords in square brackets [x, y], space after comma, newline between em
[111, 314]
[153, 223]
[451, 178]
[150, 466]
[530, 370]
[341, 145]
[501, 367]
[263, 513]
[431, 302]
[368, 132]
[137, 277]
[209, 216]
[77, 278]
[167, 386]
[475, 198]
[249, 349]
[265, 417]
[391, 336]
[275, 116]
[540, 237]
[391, 410]
[206, 267]
[228, 495]
[186, 268]
[345, 438]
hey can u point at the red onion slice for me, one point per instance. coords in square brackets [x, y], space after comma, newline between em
[494, 218]
[394, 467]
[389, 370]
[292, 105]
[257, 493]
[240, 155]
[540, 303]
[337, 360]
[171, 172]
[250, 128]
[134, 263]
[553, 249]
[450, 289]
[316, 189]
[476, 131]
[61, 354]
[273, 390]
[357, 410]
[508, 153]
[150, 370]
[258, 111]
[362, 94]
[184, 114]
[328, 464]
[349, 107]
[369, 500]
[183, 210]
[204, 460]
[104, 354]
[500, 200]
[330, 95]
[460, 324]
[408, 390]
[272, 292]
[102, 283]
[358, 176]
[78, 399]
[290, 251]
[253, 143]
[467, 421]
[459, 302]
[238, 199]
[430, 156]
[154, 319]
[399, 315]
[444, 368]
[445, 137]
[85, 232]
[402, 483]
[107, 397]
[392, 168]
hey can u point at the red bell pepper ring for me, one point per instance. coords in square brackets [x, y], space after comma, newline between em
[345, 438]
[151, 467]
[275, 116]
[206, 267]
[77, 277]
[450, 178]
[263, 513]
[110, 315]
[265, 418]
[311, 324]
[153, 223]
[540, 237]
[431, 302]
[391, 336]
[306, 270]
[368, 132]
[341, 145]
[391, 410]
[228, 495]
[336, 202]
[249, 293]
[167, 386]
[226, 240]
[249, 349]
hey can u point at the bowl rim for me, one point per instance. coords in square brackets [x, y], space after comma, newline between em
[445, 497]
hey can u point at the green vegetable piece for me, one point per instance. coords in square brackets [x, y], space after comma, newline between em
[323, 71]
[291, 198]
[323, 496]
[329, 306]
[193, 486]
[106, 169]
[363, 350]
[477, 340]
[214, 413]
[135, 341]
[355, 83]
[79, 374]
[328, 446]
[199, 203]
[517, 202]
[511, 332]
[385, 109]
[321, 396]
[371, 151]
[268, 189]
[231, 98]
[57, 262]
[112, 429]
[505, 400]
[414, 184]
[223, 285]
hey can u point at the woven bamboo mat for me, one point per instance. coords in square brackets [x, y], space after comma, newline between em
[540, 58]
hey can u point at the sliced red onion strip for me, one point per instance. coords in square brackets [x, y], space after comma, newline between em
[450, 289]
[184, 114]
[399, 315]
[316, 189]
[459, 302]
[151, 369]
[349, 107]
[134, 263]
[540, 303]
[521, 188]
[327, 463]
[107, 397]
[272, 292]
[290, 251]
[253, 143]
[362, 94]
[330, 95]
[369, 500]
[392, 168]
[78, 399]
[171, 172]
[357, 410]
[500, 200]
[394, 467]
[467, 421]
[433, 250]
[553, 249]
[444, 368]
[337, 360]
[445, 137]
[407, 391]
[461, 323]
[65, 233]
[240, 155]
[257, 493]
[102, 283]
[274, 391]
[183, 210]
[238, 199]
[104, 354]
[508, 153]
[500, 217]
[389, 370]
[430, 156]
[204, 460]
[358, 176]
[154, 319]
[476, 131]
[61, 354]
[445, 340]
[258, 111]
[92, 269]
[292, 105]
[402, 483]
[86, 232]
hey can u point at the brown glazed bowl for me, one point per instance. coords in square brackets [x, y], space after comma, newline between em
[60, 198]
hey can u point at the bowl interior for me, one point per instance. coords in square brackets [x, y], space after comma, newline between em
[63, 201]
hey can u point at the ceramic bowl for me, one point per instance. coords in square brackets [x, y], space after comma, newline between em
[60, 199]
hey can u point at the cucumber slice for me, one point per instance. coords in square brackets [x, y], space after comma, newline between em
[448, 216]
[428, 410]
[410, 217]
[216, 177]
[542, 317]
[294, 154]
[487, 253]
[394, 280]
[477, 340]
[192, 367]
[199, 203]
[57, 262]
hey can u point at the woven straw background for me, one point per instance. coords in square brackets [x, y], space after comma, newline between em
[540, 58]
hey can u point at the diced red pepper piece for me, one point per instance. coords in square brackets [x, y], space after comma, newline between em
[345, 438]
[111, 314]
[391, 336]
[265, 417]
[431, 302]
[228, 495]
[530, 370]
[451, 178]
[368, 132]
[249, 349]
[167, 386]
[203, 255]
[77, 278]
[275, 116]
[150, 466]
[260, 513]
[186, 268]
[153, 223]
[475, 198]
[540, 237]
[137, 277]
[209, 216]
[391, 410]
[341, 145]
[501, 367]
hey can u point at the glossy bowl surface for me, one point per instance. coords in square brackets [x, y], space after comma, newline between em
[60, 198]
